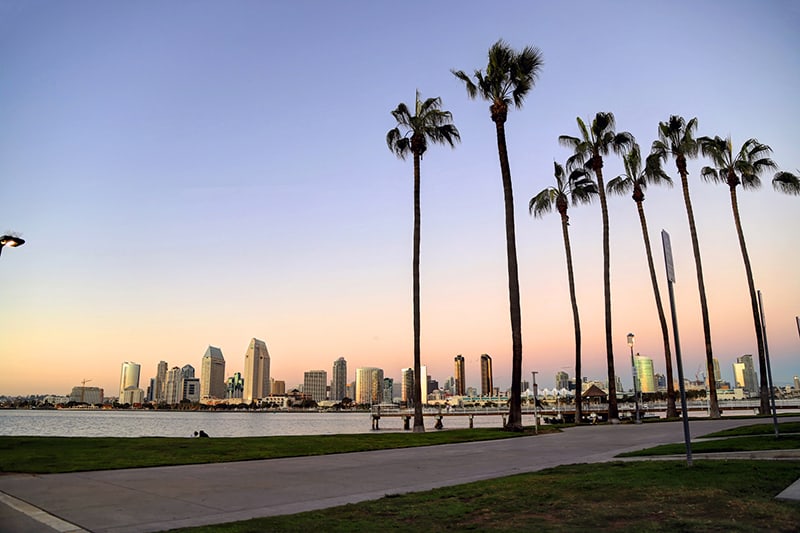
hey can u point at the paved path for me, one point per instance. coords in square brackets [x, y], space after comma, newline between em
[155, 499]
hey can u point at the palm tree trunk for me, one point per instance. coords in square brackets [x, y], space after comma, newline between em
[762, 361]
[672, 411]
[575, 318]
[713, 404]
[419, 424]
[515, 402]
[613, 412]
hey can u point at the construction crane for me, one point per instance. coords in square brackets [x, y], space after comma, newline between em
[83, 387]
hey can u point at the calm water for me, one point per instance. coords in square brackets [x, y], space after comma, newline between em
[79, 423]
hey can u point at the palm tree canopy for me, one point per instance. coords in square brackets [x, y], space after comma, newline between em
[428, 123]
[742, 168]
[597, 139]
[576, 186]
[786, 182]
[676, 137]
[508, 78]
[637, 177]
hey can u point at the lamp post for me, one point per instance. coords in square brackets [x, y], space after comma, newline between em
[535, 401]
[631, 338]
[11, 241]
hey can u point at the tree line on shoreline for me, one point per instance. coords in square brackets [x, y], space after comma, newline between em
[505, 83]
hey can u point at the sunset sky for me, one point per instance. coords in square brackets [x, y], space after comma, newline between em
[189, 173]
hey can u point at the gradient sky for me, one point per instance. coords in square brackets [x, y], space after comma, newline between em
[198, 172]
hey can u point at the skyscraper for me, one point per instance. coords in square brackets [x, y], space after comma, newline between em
[423, 382]
[339, 380]
[256, 371]
[644, 372]
[407, 377]
[749, 380]
[487, 383]
[234, 386]
[212, 374]
[562, 380]
[369, 386]
[173, 388]
[160, 392]
[460, 387]
[315, 383]
[129, 377]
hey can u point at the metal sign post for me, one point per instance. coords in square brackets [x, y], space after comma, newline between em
[670, 280]
[769, 367]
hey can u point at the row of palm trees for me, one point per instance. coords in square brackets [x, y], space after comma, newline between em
[508, 78]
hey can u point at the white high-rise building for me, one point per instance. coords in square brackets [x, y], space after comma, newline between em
[212, 374]
[339, 380]
[315, 383]
[256, 371]
[173, 388]
[129, 377]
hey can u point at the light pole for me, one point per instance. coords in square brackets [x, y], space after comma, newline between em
[11, 241]
[631, 339]
[535, 401]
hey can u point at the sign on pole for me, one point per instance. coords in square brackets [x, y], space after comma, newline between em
[668, 256]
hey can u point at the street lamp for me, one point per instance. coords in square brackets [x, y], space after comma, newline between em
[535, 401]
[631, 339]
[10, 240]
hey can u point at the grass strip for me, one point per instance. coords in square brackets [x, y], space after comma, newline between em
[48, 455]
[756, 429]
[645, 496]
[733, 444]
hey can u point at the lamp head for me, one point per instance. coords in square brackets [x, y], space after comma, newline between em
[10, 240]
[630, 339]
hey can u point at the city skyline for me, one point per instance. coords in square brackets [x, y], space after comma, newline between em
[172, 171]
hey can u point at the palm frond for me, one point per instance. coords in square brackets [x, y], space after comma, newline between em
[620, 185]
[472, 89]
[786, 182]
[710, 174]
[543, 202]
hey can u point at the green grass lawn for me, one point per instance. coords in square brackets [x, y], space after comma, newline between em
[46, 455]
[723, 496]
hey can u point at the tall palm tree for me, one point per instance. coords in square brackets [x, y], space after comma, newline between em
[786, 182]
[635, 180]
[412, 135]
[676, 137]
[742, 168]
[595, 142]
[579, 188]
[509, 76]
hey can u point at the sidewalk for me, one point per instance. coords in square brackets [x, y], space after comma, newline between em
[155, 499]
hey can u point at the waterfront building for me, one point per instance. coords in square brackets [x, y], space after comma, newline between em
[160, 392]
[796, 383]
[423, 381]
[90, 395]
[190, 389]
[487, 382]
[129, 376]
[315, 384]
[234, 387]
[132, 396]
[717, 374]
[173, 389]
[277, 387]
[369, 386]
[562, 380]
[212, 374]
[256, 371]
[661, 382]
[745, 375]
[460, 382]
[388, 390]
[407, 378]
[339, 380]
[644, 373]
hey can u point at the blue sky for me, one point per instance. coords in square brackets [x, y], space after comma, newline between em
[194, 173]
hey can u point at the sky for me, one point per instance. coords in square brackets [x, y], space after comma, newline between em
[197, 173]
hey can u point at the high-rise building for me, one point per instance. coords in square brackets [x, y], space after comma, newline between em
[278, 387]
[315, 384]
[369, 386]
[644, 373]
[173, 389]
[90, 395]
[190, 389]
[339, 380]
[562, 380]
[461, 386]
[234, 386]
[212, 374]
[487, 383]
[796, 382]
[407, 377]
[423, 383]
[388, 390]
[256, 371]
[750, 380]
[160, 392]
[129, 377]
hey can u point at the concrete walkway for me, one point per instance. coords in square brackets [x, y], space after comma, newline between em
[155, 499]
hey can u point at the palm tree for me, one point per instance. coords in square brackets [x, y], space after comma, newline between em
[786, 182]
[411, 135]
[580, 189]
[635, 180]
[589, 148]
[509, 76]
[676, 137]
[742, 169]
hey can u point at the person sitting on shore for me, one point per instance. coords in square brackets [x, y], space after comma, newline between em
[203, 433]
